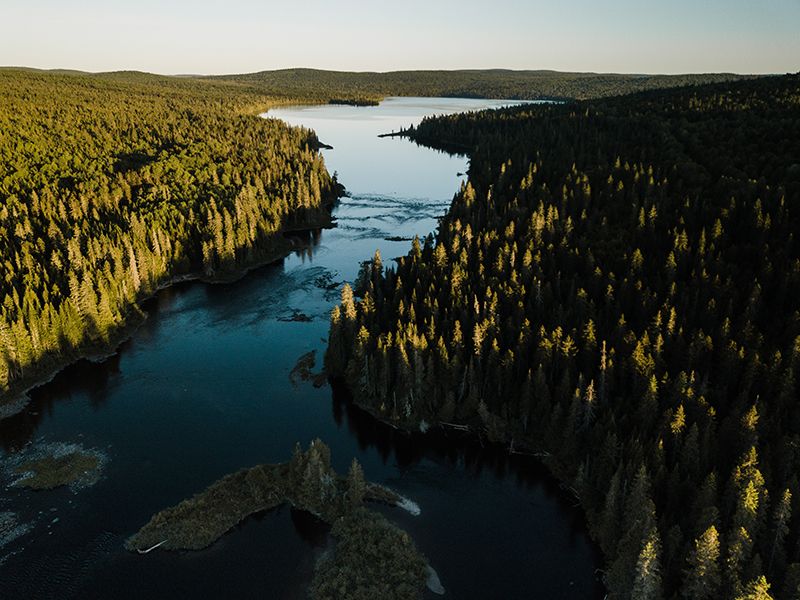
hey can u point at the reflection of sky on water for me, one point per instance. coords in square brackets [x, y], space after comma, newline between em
[370, 165]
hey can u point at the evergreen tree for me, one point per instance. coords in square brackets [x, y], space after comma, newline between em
[356, 485]
[647, 582]
[758, 589]
[702, 577]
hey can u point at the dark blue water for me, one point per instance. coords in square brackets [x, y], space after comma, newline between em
[202, 389]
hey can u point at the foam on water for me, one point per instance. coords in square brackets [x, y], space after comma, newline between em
[409, 506]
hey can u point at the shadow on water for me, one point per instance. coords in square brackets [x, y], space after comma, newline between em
[88, 378]
[306, 242]
[451, 449]
[478, 458]
[311, 530]
[92, 379]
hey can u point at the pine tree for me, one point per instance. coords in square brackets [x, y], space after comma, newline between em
[647, 581]
[780, 522]
[702, 577]
[356, 485]
[757, 589]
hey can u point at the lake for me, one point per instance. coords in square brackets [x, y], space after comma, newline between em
[202, 389]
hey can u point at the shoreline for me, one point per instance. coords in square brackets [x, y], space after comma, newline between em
[17, 398]
[549, 462]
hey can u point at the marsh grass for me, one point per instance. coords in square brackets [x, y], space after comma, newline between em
[54, 471]
[52, 465]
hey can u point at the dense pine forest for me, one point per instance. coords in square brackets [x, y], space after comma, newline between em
[616, 289]
[111, 186]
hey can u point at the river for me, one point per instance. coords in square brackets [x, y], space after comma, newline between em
[202, 389]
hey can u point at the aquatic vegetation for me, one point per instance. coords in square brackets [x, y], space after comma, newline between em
[296, 317]
[44, 466]
[325, 281]
[11, 529]
[48, 466]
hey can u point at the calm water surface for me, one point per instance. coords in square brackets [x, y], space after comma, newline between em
[202, 389]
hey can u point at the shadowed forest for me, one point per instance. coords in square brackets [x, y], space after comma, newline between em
[616, 289]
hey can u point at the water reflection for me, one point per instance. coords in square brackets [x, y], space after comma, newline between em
[84, 378]
[426, 459]
[450, 448]
[311, 529]
[306, 242]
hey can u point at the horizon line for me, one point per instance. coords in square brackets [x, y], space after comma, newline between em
[425, 70]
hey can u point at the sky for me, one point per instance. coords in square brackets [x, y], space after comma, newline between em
[241, 36]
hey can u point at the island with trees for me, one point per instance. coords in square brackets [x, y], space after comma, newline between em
[371, 558]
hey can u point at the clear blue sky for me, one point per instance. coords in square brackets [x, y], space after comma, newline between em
[235, 36]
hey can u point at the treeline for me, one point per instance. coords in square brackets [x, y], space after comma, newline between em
[112, 185]
[617, 287]
[495, 83]
[247, 91]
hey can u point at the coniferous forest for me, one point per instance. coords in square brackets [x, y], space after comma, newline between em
[492, 83]
[112, 186]
[617, 290]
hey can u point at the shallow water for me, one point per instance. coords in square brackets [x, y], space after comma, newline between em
[202, 389]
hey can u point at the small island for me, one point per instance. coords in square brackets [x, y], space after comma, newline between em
[307, 482]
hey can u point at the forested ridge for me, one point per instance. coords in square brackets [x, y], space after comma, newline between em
[111, 186]
[348, 87]
[487, 83]
[617, 289]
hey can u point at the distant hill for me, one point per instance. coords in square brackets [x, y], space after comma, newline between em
[368, 87]
[494, 83]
